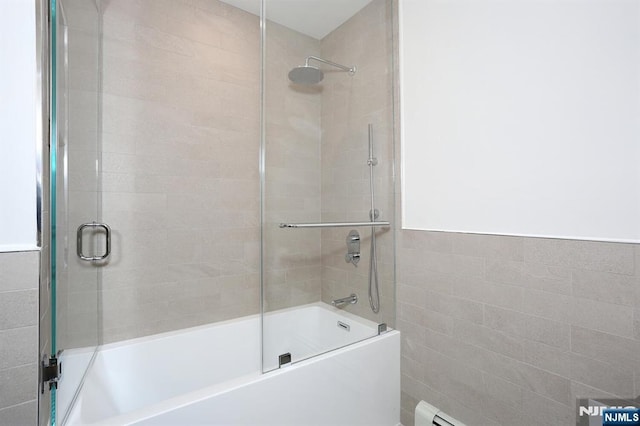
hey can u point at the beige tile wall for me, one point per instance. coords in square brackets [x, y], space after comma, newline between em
[180, 154]
[349, 104]
[512, 330]
[19, 338]
[180, 166]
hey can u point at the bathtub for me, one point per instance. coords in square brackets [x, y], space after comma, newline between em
[211, 375]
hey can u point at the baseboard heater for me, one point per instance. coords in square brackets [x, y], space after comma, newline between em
[428, 415]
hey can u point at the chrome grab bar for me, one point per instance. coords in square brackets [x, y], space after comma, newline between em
[338, 303]
[94, 225]
[333, 224]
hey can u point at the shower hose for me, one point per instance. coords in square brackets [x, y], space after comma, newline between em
[374, 292]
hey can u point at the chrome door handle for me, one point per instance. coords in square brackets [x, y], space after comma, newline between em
[94, 225]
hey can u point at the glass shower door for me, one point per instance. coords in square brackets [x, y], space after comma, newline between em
[327, 146]
[77, 240]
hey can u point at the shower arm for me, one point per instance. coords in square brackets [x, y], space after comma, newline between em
[350, 70]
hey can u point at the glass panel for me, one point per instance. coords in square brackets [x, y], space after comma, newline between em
[75, 191]
[318, 168]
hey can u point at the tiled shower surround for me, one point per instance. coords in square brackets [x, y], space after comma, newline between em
[349, 105]
[180, 150]
[180, 153]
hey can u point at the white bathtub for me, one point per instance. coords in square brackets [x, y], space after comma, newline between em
[211, 375]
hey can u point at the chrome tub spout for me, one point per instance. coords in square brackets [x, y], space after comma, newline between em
[339, 303]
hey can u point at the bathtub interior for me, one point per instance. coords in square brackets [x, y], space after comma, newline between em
[134, 375]
[310, 330]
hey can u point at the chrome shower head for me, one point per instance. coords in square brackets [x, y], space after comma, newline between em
[306, 75]
[309, 75]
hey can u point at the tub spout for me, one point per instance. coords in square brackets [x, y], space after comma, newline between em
[352, 299]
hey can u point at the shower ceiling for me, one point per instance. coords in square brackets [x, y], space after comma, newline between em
[315, 18]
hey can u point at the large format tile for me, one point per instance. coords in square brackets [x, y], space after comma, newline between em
[18, 385]
[18, 346]
[18, 309]
[25, 414]
[19, 271]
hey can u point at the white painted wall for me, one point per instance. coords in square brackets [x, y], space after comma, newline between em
[17, 125]
[522, 117]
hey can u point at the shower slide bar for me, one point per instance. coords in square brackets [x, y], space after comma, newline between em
[334, 224]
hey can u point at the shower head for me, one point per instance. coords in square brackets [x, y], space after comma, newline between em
[309, 75]
[306, 75]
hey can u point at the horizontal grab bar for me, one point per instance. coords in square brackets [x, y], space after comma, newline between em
[333, 224]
